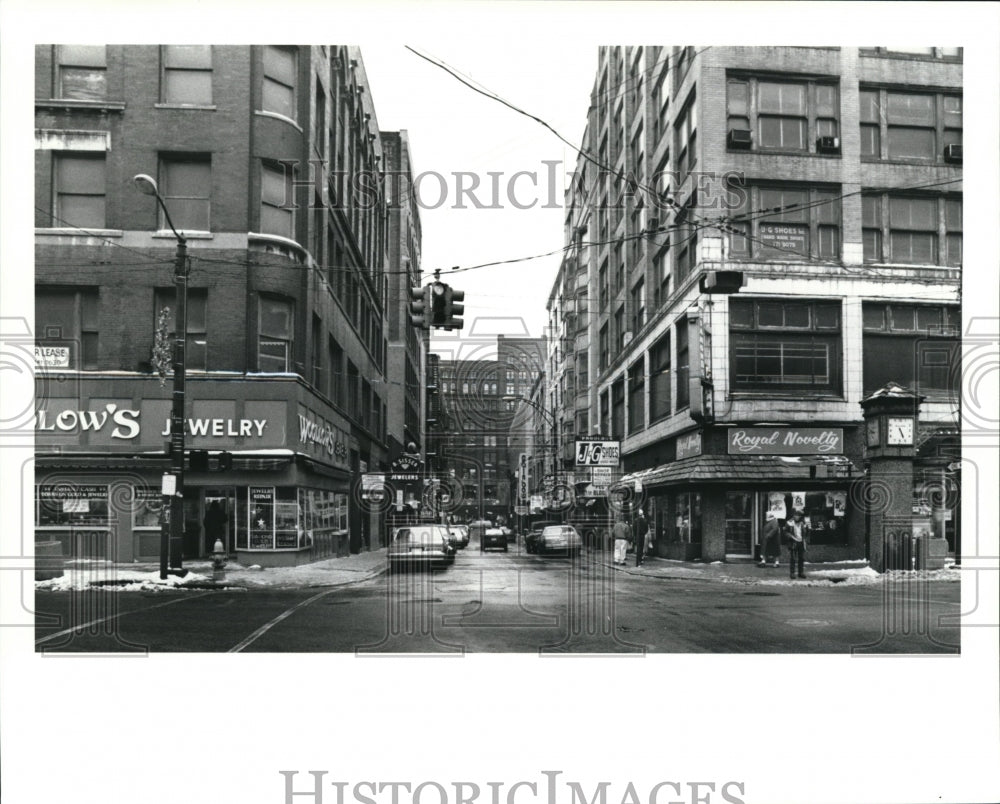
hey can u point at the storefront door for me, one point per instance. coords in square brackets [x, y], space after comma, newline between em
[739, 523]
[220, 506]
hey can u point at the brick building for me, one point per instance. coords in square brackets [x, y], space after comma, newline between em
[479, 401]
[831, 178]
[261, 154]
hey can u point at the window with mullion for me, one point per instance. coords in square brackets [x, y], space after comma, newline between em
[277, 214]
[786, 223]
[276, 328]
[908, 125]
[186, 182]
[637, 397]
[68, 319]
[187, 74]
[82, 72]
[280, 72]
[686, 139]
[659, 379]
[80, 190]
[785, 345]
[196, 326]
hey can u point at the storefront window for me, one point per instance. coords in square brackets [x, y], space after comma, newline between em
[825, 514]
[66, 505]
[689, 518]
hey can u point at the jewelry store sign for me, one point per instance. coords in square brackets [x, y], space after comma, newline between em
[786, 441]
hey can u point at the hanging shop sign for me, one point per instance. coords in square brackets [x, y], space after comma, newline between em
[598, 453]
[689, 445]
[786, 441]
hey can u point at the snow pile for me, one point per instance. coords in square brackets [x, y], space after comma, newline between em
[113, 579]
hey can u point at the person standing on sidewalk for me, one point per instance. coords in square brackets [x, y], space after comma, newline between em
[641, 534]
[769, 548]
[796, 532]
[622, 534]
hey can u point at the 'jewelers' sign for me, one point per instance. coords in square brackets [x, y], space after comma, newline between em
[786, 441]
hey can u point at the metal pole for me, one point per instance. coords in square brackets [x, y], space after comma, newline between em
[177, 409]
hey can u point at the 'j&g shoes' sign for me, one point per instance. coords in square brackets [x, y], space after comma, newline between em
[786, 441]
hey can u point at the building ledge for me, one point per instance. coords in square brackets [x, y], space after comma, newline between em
[197, 107]
[85, 105]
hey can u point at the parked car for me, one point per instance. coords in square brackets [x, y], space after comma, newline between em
[511, 536]
[562, 539]
[493, 537]
[533, 534]
[420, 546]
[458, 535]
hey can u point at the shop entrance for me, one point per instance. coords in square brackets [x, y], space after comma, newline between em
[741, 518]
[218, 519]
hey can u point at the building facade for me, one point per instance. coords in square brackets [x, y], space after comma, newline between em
[830, 179]
[269, 162]
[473, 439]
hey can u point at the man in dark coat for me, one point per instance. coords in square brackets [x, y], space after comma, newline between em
[641, 531]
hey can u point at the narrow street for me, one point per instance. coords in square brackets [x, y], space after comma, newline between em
[497, 602]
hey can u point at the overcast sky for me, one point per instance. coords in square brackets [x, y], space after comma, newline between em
[453, 131]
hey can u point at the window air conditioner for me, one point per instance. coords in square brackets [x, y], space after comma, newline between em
[739, 138]
[828, 145]
[953, 153]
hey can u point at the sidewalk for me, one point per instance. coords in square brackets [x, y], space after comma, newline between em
[850, 573]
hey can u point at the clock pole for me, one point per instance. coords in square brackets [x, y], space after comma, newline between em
[895, 539]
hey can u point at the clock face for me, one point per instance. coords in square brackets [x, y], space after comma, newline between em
[900, 431]
[872, 432]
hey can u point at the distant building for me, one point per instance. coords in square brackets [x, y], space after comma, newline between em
[479, 400]
[261, 154]
[831, 178]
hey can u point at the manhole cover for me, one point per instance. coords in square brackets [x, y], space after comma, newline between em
[804, 622]
[763, 594]
[628, 629]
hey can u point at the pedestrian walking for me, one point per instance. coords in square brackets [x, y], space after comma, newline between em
[641, 531]
[622, 535]
[769, 547]
[796, 532]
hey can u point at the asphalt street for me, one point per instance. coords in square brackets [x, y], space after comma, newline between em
[508, 603]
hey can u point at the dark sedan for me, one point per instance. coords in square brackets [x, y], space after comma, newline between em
[493, 537]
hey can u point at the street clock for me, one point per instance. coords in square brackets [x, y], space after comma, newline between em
[900, 430]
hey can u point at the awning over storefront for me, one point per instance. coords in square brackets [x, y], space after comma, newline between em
[745, 469]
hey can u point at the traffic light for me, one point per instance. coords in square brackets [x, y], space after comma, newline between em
[452, 308]
[439, 313]
[198, 460]
[418, 307]
[225, 461]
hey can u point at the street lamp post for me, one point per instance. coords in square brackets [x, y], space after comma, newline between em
[172, 525]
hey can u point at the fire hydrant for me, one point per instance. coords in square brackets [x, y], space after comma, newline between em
[218, 561]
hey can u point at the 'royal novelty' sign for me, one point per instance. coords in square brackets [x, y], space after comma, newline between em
[786, 441]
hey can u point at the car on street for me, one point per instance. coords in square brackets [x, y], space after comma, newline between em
[561, 539]
[415, 546]
[477, 528]
[511, 536]
[533, 534]
[458, 535]
[493, 537]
